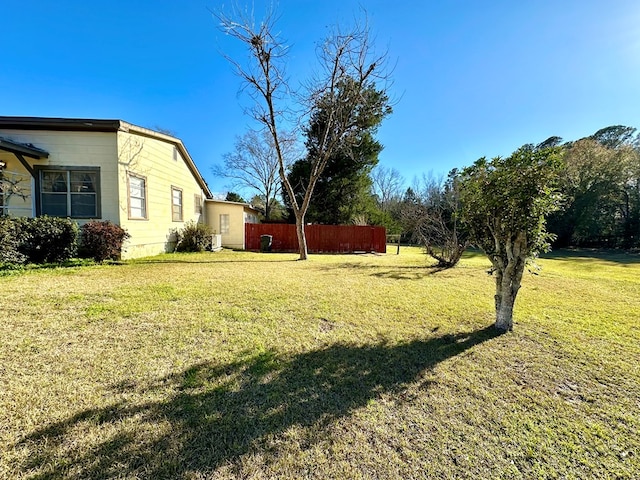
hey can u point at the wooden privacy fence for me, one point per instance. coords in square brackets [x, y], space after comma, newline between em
[320, 238]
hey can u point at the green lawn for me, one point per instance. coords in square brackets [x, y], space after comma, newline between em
[242, 365]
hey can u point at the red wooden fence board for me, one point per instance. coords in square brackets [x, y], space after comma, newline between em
[320, 238]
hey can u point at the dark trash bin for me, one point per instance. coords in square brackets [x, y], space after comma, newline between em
[265, 243]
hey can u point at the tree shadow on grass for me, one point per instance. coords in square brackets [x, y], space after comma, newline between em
[209, 415]
[399, 272]
[413, 273]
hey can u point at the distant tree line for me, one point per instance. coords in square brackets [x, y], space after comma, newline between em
[598, 182]
[601, 188]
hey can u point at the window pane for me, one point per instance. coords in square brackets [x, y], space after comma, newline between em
[137, 203]
[176, 213]
[136, 181]
[83, 205]
[137, 208]
[136, 187]
[136, 191]
[54, 204]
[83, 182]
[177, 197]
[54, 181]
[137, 212]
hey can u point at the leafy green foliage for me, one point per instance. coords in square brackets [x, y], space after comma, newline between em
[506, 198]
[615, 136]
[274, 208]
[102, 240]
[37, 240]
[194, 237]
[10, 254]
[601, 186]
[386, 192]
[51, 239]
[343, 190]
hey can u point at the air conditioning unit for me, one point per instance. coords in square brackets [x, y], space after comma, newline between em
[216, 242]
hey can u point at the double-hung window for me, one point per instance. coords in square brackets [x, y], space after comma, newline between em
[176, 204]
[137, 197]
[69, 192]
[224, 223]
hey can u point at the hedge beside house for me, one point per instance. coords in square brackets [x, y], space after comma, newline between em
[45, 239]
[37, 240]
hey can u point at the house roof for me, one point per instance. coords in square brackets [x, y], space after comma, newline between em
[59, 124]
[245, 205]
[99, 125]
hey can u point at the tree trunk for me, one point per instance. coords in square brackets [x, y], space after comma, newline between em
[267, 210]
[504, 310]
[508, 283]
[302, 238]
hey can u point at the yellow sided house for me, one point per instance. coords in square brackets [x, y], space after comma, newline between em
[143, 180]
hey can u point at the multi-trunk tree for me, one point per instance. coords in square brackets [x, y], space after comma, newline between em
[433, 220]
[337, 99]
[504, 204]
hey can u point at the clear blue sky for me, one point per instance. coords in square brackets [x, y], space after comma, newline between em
[473, 78]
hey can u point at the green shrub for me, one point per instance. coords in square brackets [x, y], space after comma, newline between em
[37, 240]
[48, 239]
[194, 237]
[102, 240]
[10, 254]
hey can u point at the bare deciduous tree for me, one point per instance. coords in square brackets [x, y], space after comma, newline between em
[348, 68]
[254, 164]
[388, 185]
